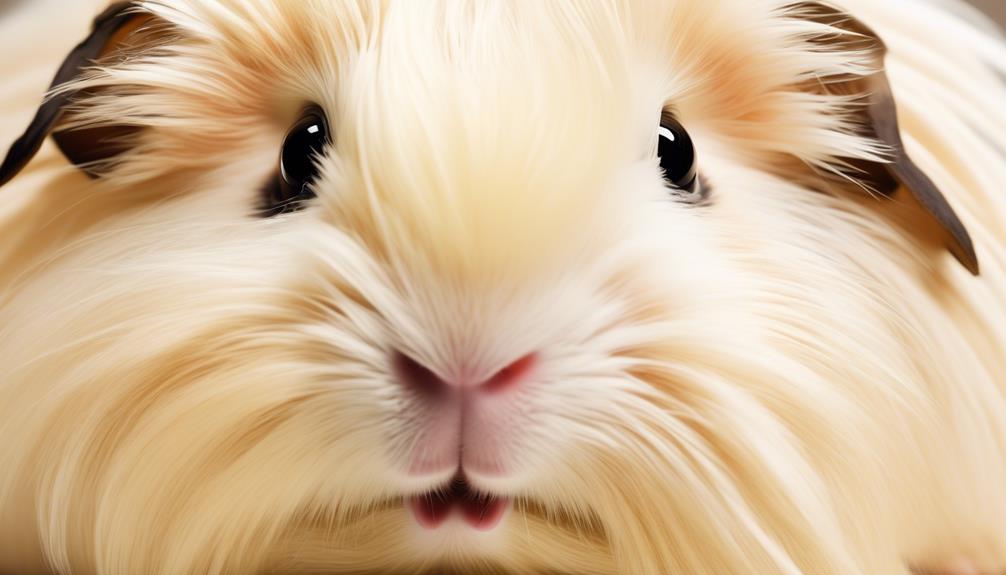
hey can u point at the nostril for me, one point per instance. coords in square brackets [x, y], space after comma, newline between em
[512, 374]
[415, 375]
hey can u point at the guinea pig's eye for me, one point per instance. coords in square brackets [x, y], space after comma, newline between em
[298, 163]
[677, 158]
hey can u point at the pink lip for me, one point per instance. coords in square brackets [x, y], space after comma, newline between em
[481, 512]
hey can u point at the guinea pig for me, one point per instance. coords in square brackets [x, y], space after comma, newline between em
[586, 287]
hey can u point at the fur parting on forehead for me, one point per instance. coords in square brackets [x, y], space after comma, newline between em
[526, 72]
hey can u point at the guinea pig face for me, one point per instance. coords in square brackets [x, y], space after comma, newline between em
[401, 285]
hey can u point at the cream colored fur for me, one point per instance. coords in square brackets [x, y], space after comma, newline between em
[781, 382]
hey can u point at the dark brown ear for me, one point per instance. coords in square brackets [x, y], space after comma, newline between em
[880, 120]
[81, 147]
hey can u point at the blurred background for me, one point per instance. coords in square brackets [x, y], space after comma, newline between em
[997, 8]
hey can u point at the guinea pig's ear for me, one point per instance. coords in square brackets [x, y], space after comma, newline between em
[880, 120]
[84, 147]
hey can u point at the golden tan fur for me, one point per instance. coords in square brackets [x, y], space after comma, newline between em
[782, 382]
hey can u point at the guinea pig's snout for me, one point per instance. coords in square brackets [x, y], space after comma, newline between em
[418, 378]
[464, 422]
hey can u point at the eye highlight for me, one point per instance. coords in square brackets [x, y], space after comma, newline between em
[298, 163]
[678, 160]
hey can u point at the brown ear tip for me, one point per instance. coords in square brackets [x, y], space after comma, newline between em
[17, 157]
[965, 254]
[958, 240]
[7, 171]
[7, 174]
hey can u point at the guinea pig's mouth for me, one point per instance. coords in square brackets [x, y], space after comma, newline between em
[480, 511]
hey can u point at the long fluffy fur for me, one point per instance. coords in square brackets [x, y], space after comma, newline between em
[782, 382]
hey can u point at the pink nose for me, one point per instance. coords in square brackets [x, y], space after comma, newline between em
[418, 377]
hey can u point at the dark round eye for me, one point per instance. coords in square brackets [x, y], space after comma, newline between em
[677, 156]
[298, 163]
